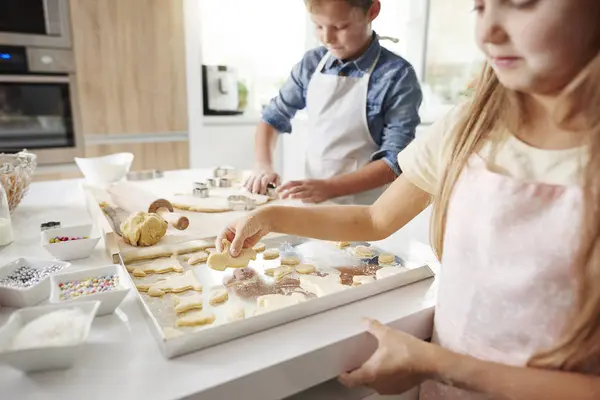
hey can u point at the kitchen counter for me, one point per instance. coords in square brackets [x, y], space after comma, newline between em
[122, 361]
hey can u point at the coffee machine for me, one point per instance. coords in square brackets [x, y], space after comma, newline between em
[220, 91]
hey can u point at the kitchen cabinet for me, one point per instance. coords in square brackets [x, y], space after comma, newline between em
[131, 75]
[162, 156]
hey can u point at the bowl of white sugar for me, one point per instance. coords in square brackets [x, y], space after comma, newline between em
[46, 337]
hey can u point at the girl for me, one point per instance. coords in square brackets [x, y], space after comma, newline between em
[514, 178]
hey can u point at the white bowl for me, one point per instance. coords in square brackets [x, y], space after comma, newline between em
[105, 169]
[42, 358]
[30, 296]
[71, 249]
[110, 300]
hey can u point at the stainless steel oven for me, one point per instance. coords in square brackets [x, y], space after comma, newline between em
[38, 109]
[42, 23]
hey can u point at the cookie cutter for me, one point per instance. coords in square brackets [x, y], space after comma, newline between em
[200, 190]
[241, 203]
[272, 190]
[221, 172]
[222, 182]
[49, 225]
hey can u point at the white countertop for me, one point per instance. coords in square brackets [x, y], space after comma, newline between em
[122, 361]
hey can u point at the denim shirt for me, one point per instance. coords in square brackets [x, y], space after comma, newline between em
[393, 98]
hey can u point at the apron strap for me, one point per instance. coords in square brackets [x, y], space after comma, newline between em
[322, 62]
[328, 54]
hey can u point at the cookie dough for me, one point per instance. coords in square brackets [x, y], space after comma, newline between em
[173, 284]
[197, 258]
[388, 271]
[143, 229]
[271, 254]
[363, 251]
[259, 247]
[218, 296]
[305, 269]
[386, 259]
[341, 245]
[147, 253]
[358, 280]
[290, 260]
[224, 260]
[196, 318]
[183, 304]
[271, 302]
[322, 285]
[157, 267]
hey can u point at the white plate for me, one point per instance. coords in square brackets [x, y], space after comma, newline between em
[30, 296]
[43, 358]
[110, 300]
[71, 249]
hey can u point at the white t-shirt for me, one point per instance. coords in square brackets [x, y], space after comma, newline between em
[422, 161]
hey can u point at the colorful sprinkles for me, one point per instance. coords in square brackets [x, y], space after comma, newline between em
[91, 285]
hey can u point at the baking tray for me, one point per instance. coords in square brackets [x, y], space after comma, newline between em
[174, 341]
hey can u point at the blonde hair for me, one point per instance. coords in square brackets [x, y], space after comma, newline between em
[578, 349]
[364, 5]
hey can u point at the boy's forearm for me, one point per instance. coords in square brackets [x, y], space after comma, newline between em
[264, 145]
[371, 176]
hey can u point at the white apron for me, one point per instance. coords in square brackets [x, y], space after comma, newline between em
[339, 141]
[506, 283]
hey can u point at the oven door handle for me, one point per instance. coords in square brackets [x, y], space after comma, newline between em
[33, 79]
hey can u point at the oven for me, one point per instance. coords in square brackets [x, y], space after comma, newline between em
[38, 105]
[40, 23]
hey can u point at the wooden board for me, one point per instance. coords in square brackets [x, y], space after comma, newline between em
[203, 226]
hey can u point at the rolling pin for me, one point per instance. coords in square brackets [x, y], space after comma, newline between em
[131, 198]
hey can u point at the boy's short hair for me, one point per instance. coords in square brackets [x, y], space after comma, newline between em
[364, 5]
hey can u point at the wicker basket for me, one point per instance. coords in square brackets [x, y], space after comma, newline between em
[16, 171]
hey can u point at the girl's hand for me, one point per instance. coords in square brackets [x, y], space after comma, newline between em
[400, 362]
[244, 233]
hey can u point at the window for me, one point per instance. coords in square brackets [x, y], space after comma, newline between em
[452, 59]
[261, 39]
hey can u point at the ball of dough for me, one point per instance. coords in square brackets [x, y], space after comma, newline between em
[143, 229]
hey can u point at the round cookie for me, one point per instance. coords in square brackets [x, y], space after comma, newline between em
[290, 260]
[386, 259]
[271, 254]
[363, 251]
[305, 269]
[259, 247]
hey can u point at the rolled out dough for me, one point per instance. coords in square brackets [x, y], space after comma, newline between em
[271, 302]
[322, 285]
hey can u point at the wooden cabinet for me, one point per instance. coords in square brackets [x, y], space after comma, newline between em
[162, 156]
[131, 76]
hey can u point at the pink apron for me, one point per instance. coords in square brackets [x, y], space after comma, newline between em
[506, 284]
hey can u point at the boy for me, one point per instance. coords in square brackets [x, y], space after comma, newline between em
[362, 103]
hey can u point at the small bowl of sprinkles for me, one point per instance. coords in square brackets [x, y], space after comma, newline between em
[106, 284]
[25, 281]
